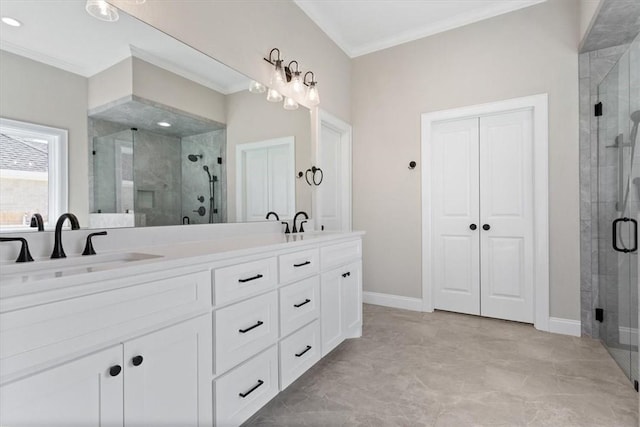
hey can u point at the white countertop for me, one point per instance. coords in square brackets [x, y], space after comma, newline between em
[23, 284]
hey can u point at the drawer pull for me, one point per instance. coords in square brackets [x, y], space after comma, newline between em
[306, 301]
[348, 273]
[243, 331]
[303, 264]
[303, 351]
[247, 393]
[257, 276]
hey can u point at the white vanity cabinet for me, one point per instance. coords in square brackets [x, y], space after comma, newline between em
[202, 342]
[83, 392]
[341, 296]
[156, 382]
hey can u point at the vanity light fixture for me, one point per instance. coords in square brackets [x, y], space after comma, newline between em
[290, 104]
[313, 97]
[102, 10]
[257, 87]
[273, 95]
[296, 81]
[278, 77]
[164, 124]
[12, 22]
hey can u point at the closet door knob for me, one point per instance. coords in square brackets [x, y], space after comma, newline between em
[473, 226]
[115, 370]
[486, 227]
[137, 360]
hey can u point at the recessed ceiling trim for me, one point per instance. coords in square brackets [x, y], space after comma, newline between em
[311, 9]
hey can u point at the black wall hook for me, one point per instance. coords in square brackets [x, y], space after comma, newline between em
[412, 164]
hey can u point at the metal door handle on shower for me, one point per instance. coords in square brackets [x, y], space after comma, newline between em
[614, 235]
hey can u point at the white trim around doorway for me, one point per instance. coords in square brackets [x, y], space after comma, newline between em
[539, 106]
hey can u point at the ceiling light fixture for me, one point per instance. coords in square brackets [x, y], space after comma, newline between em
[296, 81]
[278, 77]
[164, 124]
[102, 10]
[11, 21]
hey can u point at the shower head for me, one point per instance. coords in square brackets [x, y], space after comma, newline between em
[194, 157]
[206, 169]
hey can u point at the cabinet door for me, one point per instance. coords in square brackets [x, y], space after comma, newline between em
[330, 308]
[168, 376]
[351, 288]
[79, 393]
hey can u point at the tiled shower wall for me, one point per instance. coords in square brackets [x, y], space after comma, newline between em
[594, 66]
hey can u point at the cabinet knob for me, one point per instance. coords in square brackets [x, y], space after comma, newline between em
[115, 370]
[137, 360]
[486, 227]
[473, 226]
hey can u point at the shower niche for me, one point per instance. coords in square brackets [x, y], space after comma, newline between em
[145, 173]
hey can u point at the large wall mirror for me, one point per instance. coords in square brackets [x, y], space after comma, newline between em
[169, 135]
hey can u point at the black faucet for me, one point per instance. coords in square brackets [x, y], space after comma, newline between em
[295, 219]
[25, 255]
[274, 214]
[37, 221]
[58, 252]
[88, 247]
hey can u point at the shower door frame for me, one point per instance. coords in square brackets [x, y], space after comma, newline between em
[539, 106]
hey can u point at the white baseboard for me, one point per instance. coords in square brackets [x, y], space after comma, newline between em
[395, 301]
[628, 336]
[565, 326]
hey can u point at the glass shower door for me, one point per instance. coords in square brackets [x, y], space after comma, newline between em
[113, 172]
[619, 210]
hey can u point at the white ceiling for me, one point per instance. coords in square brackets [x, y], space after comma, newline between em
[364, 26]
[64, 35]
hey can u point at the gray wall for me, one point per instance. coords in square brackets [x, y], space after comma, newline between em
[530, 51]
[32, 92]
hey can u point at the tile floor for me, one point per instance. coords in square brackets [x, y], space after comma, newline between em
[446, 369]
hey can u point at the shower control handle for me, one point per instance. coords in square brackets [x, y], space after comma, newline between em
[486, 227]
[473, 226]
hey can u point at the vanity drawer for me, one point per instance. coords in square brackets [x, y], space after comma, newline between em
[298, 265]
[299, 304]
[241, 392]
[244, 329]
[340, 254]
[243, 280]
[298, 353]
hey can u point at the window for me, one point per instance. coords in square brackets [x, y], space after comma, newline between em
[33, 173]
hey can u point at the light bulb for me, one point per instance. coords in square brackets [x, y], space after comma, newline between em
[296, 83]
[257, 87]
[290, 104]
[273, 95]
[313, 97]
[278, 78]
[102, 10]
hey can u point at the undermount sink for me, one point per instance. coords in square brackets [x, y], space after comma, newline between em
[51, 268]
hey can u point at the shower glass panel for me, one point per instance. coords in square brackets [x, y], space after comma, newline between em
[113, 172]
[619, 209]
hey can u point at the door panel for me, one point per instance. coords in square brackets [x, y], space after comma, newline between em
[331, 311]
[78, 393]
[330, 192]
[506, 206]
[351, 288]
[455, 199]
[171, 385]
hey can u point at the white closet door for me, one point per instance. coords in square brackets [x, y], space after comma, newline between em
[455, 189]
[330, 192]
[506, 206]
